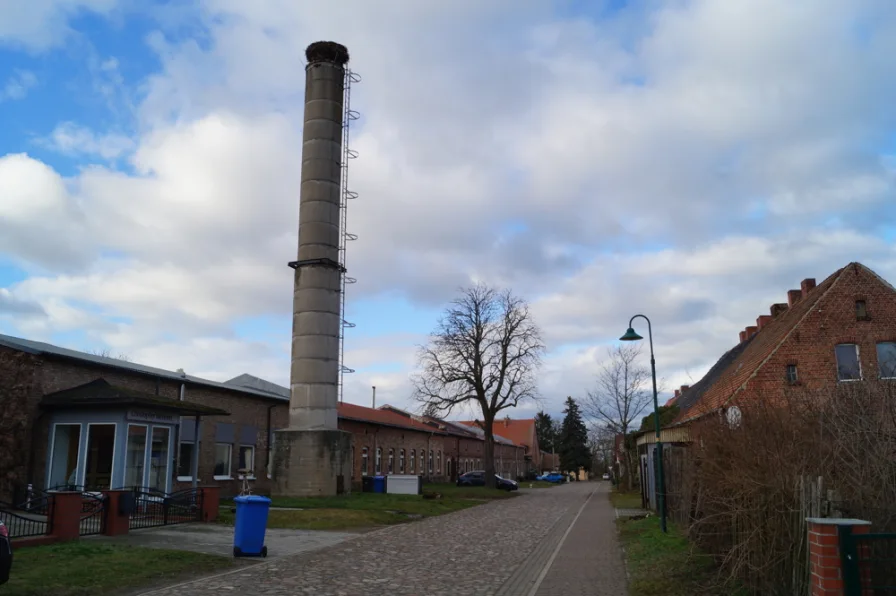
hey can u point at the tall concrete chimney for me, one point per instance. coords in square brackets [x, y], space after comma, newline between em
[312, 456]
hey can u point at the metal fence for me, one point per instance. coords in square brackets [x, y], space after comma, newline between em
[93, 513]
[21, 523]
[869, 563]
[155, 508]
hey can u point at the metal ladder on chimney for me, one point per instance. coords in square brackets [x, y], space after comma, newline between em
[348, 154]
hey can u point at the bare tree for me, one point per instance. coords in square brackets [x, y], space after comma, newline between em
[107, 353]
[622, 394]
[484, 352]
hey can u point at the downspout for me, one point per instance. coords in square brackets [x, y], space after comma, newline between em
[194, 467]
[270, 435]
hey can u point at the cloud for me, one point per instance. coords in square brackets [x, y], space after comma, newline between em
[73, 140]
[42, 24]
[18, 85]
[10, 305]
[691, 160]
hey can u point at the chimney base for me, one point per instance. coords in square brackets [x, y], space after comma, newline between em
[312, 463]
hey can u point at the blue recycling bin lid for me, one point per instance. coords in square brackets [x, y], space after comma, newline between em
[252, 499]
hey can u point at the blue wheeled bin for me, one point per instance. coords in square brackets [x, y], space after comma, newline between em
[251, 522]
[379, 484]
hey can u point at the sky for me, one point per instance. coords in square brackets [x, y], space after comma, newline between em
[691, 160]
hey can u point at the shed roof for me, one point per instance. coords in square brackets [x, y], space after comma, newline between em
[41, 348]
[100, 393]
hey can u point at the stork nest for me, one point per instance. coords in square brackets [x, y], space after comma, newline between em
[327, 51]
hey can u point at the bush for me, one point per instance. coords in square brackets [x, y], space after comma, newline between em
[745, 491]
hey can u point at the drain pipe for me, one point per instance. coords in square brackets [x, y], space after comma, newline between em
[270, 435]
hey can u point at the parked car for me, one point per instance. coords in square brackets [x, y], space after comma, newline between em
[555, 477]
[477, 478]
[5, 553]
[606, 476]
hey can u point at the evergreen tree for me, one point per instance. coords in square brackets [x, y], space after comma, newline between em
[573, 440]
[545, 431]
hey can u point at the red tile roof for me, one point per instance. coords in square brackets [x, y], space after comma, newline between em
[730, 375]
[521, 432]
[364, 414]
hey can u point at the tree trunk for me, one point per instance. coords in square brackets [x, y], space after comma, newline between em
[629, 470]
[489, 452]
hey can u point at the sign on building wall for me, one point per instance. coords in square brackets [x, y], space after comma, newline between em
[150, 416]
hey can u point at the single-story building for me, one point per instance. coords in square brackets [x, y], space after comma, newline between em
[76, 419]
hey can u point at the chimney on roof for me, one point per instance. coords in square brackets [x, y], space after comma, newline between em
[743, 336]
[777, 308]
[751, 331]
[806, 285]
[793, 296]
[677, 393]
[506, 421]
[685, 388]
[763, 320]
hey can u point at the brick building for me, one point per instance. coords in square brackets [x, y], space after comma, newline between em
[839, 331]
[77, 419]
[522, 432]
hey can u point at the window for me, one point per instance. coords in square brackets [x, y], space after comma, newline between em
[861, 311]
[158, 458]
[430, 462]
[791, 374]
[364, 462]
[352, 466]
[248, 441]
[886, 359]
[135, 458]
[223, 454]
[411, 461]
[185, 461]
[848, 367]
[401, 462]
[439, 462]
[247, 460]
[377, 466]
[224, 436]
[391, 467]
[185, 449]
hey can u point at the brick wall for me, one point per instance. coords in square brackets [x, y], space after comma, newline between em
[19, 396]
[24, 379]
[244, 409]
[833, 321]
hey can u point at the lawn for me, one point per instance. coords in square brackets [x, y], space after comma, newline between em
[667, 564]
[365, 510]
[625, 500]
[82, 569]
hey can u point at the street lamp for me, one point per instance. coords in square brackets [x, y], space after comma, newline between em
[632, 335]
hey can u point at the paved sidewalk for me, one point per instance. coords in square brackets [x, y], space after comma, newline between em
[589, 562]
[214, 539]
[498, 548]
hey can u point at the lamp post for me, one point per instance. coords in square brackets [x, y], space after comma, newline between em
[632, 335]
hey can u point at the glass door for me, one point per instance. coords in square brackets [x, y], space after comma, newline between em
[135, 458]
[158, 459]
[64, 459]
[100, 451]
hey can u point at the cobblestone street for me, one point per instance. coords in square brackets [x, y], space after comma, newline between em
[498, 548]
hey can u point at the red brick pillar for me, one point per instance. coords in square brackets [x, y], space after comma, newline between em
[66, 516]
[825, 556]
[116, 523]
[211, 501]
